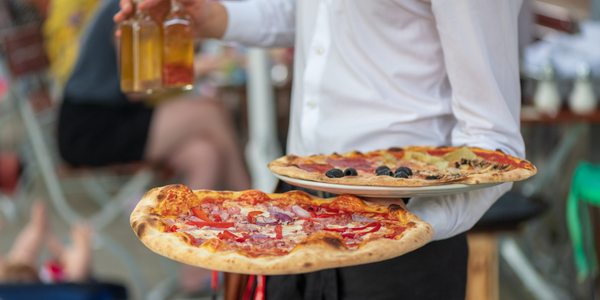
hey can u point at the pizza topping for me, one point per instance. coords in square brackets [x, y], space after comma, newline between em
[361, 218]
[335, 173]
[275, 226]
[401, 175]
[211, 224]
[278, 232]
[301, 212]
[199, 213]
[350, 172]
[384, 171]
[406, 170]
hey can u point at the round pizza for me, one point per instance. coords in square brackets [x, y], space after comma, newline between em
[410, 166]
[258, 233]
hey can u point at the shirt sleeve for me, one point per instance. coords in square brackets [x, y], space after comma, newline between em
[480, 46]
[261, 23]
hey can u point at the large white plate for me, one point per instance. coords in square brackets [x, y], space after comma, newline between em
[385, 192]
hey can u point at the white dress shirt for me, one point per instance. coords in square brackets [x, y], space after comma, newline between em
[380, 73]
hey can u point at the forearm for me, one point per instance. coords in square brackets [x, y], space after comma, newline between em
[215, 23]
[453, 214]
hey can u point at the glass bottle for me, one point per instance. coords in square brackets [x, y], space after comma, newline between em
[147, 52]
[178, 49]
[126, 57]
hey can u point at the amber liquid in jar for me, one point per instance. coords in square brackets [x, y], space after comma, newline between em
[178, 49]
[147, 53]
[126, 57]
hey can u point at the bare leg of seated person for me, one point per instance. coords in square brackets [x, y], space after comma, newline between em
[181, 123]
[75, 258]
[26, 248]
[22, 259]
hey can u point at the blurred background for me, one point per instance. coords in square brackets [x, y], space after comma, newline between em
[536, 242]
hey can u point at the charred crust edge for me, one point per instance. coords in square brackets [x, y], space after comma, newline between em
[395, 149]
[394, 208]
[333, 241]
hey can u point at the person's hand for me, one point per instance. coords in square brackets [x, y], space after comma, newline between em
[157, 8]
[195, 8]
[386, 201]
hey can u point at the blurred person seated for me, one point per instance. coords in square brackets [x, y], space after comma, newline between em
[67, 264]
[65, 23]
[99, 125]
[190, 134]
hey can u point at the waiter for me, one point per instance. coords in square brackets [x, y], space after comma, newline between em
[375, 74]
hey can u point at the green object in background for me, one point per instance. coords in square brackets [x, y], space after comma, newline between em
[585, 189]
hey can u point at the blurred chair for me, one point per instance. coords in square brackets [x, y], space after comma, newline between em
[585, 190]
[27, 64]
[507, 214]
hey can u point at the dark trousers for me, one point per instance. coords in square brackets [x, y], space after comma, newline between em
[437, 270]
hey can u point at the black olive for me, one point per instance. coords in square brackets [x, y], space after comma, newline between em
[335, 173]
[382, 168]
[350, 172]
[433, 177]
[406, 170]
[384, 171]
[401, 175]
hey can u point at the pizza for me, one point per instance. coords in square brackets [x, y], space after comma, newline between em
[411, 166]
[253, 232]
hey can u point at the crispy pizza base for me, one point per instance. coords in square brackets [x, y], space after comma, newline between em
[282, 166]
[322, 250]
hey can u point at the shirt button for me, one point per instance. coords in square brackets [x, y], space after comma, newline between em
[319, 50]
[311, 104]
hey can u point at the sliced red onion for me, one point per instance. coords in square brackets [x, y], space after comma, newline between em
[199, 242]
[360, 218]
[281, 216]
[301, 212]
[259, 236]
[269, 220]
[253, 227]
[320, 219]
[195, 219]
[169, 221]
[275, 209]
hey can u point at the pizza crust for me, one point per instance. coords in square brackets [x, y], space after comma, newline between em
[322, 250]
[281, 166]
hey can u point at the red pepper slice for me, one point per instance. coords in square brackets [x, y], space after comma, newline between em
[312, 212]
[252, 216]
[173, 228]
[225, 235]
[192, 238]
[278, 231]
[365, 227]
[211, 224]
[217, 218]
[337, 229]
[199, 213]
[325, 215]
[353, 235]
